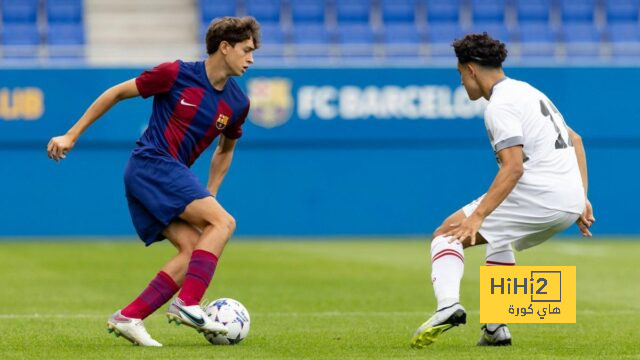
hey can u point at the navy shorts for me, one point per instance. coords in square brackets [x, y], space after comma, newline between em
[158, 188]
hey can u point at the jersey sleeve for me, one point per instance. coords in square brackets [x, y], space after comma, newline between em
[235, 132]
[158, 80]
[504, 125]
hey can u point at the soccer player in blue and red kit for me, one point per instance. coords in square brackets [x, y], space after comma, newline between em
[194, 102]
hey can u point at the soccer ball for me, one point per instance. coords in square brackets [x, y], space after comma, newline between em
[233, 315]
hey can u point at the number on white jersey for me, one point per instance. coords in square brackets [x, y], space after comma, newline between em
[561, 143]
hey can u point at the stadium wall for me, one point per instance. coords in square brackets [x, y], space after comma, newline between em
[328, 151]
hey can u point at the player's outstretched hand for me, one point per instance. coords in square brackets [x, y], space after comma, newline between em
[585, 220]
[59, 146]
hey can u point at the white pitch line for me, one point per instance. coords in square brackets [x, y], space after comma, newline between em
[301, 314]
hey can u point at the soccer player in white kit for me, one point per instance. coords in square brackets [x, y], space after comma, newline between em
[540, 188]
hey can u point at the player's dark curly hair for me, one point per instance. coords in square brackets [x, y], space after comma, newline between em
[232, 30]
[481, 49]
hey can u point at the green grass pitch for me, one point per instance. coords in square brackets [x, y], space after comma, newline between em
[316, 299]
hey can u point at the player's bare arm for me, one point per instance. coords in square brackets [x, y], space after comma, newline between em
[586, 220]
[59, 146]
[511, 170]
[220, 163]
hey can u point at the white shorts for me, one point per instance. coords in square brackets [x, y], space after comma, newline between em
[515, 223]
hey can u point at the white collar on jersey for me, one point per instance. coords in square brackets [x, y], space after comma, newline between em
[494, 85]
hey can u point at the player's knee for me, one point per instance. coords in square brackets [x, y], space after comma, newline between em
[229, 224]
[224, 223]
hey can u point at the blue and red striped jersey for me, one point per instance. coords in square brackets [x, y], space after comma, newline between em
[188, 112]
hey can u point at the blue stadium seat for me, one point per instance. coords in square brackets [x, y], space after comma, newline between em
[211, 9]
[272, 42]
[65, 34]
[577, 10]
[581, 40]
[20, 34]
[530, 11]
[272, 34]
[353, 11]
[311, 41]
[624, 39]
[356, 40]
[622, 10]
[265, 11]
[20, 40]
[537, 40]
[308, 11]
[402, 40]
[440, 35]
[443, 11]
[488, 10]
[19, 11]
[65, 40]
[398, 11]
[497, 30]
[64, 11]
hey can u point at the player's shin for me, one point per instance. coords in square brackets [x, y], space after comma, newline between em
[158, 292]
[447, 268]
[199, 273]
[499, 256]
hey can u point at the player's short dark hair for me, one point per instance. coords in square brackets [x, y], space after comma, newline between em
[232, 30]
[481, 49]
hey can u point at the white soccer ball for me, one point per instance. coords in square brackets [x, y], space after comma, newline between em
[233, 315]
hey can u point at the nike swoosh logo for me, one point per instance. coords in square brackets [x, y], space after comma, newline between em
[186, 103]
[196, 320]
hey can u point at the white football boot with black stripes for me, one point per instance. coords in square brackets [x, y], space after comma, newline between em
[443, 320]
[500, 336]
[194, 317]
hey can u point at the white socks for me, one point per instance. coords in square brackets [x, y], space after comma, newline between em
[499, 256]
[447, 267]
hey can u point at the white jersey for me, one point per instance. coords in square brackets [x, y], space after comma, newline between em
[519, 114]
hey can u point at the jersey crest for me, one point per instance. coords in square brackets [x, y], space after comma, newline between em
[222, 121]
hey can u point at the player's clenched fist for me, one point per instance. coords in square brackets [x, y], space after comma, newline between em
[59, 146]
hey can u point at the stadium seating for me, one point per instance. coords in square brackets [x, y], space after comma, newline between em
[488, 10]
[577, 10]
[356, 40]
[265, 11]
[19, 11]
[66, 40]
[311, 42]
[20, 40]
[273, 39]
[440, 35]
[353, 11]
[533, 11]
[551, 30]
[31, 34]
[443, 11]
[497, 30]
[308, 11]
[398, 11]
[402, 41]
[624, 38]
[537, 40]
[582, 40]
[621, 10]
[64, 11]
[211, 9]
[20, 35]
